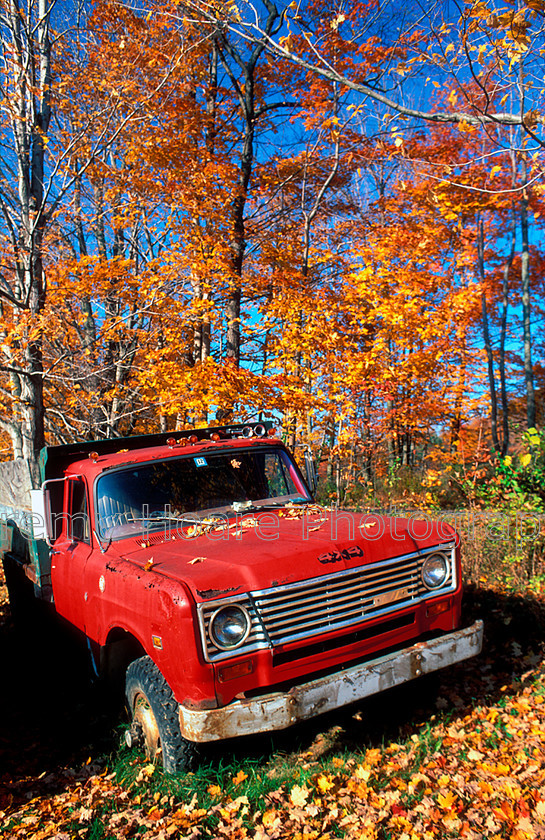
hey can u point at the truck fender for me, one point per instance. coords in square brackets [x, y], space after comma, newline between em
[119, 649]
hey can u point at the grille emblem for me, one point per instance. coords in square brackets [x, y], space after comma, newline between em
[391, 597]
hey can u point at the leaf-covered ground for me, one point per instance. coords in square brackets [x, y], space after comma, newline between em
[460, 756]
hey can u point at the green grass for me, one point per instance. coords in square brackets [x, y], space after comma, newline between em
[214, 781]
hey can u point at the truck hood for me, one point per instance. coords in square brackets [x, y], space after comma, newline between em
[273, 549]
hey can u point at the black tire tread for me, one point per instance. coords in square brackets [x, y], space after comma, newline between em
[144, 676]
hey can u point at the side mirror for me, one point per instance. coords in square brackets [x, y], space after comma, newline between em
[44, 502]
[310, 470]
[39, 521]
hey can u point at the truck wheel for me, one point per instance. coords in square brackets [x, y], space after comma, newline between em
[154, 717]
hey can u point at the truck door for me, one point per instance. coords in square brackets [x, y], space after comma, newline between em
[71, 551]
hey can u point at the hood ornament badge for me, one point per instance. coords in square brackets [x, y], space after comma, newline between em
[337, 556]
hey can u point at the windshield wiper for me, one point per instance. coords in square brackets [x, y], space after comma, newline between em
[245, 507]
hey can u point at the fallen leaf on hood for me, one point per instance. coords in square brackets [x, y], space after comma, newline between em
[197, 560]
[148, 564]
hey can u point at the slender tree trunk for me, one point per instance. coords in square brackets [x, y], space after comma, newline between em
[246, 94]
[526, 305]
[487, 342]
[503, 333]
[30, 64]
[238, 246]
[202, 331]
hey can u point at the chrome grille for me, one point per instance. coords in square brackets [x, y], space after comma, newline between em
[290, 613]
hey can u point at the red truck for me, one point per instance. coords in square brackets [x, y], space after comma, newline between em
[199, 569]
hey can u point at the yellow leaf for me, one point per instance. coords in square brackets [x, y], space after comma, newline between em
[501, 769]
[447, 800]
[323, 784]
[268, 819]
[299, 796]
[525, 459]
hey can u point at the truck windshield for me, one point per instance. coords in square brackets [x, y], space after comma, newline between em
[144, 497]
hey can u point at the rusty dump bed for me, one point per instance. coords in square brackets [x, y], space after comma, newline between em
[18, 481]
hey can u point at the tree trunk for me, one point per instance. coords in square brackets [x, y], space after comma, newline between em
[487, 342]
[28, 29]
[526, 306]
[245, 92]
[503, 333]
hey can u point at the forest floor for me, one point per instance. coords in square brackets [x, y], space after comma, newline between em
[462, 755]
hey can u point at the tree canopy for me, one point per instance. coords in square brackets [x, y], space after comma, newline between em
[325, 213]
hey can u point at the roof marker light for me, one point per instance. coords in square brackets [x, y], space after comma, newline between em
[193, 439]
[93, 456]
[171, 442]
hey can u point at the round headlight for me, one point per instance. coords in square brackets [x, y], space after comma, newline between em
[229, 627]
[435, 570]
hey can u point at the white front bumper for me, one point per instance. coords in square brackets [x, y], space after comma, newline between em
[280, 710]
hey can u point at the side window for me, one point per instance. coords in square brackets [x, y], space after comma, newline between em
[79, 517]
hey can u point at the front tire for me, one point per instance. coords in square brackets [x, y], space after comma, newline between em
[154, 717]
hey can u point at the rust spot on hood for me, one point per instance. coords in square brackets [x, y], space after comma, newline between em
[213, 593]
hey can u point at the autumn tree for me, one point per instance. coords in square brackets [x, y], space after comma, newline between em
[488, 55]
[43, 170]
